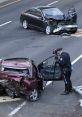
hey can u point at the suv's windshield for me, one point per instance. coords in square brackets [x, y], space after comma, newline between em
[52, 11]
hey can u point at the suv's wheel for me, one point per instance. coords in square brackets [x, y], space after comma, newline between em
[34, 95]
[74, 30]
[48, 30]
[25, 24]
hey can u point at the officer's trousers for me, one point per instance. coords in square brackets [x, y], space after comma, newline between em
[67, 80]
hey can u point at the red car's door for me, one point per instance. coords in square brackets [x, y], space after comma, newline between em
[50, 69]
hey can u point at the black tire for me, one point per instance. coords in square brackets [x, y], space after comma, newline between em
[74, 30]
[25, 24]
[33, 95]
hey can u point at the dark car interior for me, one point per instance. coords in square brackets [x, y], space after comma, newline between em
[50, 70]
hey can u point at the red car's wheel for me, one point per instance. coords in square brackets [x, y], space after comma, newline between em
[33, 95]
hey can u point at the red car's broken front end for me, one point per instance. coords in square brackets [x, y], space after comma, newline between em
[19, 76]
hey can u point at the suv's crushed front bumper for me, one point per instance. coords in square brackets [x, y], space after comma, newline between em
[65, 27]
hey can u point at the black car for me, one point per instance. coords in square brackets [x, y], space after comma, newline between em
[50, 19]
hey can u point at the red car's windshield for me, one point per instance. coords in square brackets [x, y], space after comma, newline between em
[17, 70]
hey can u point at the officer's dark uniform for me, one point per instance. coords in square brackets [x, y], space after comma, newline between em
[65, 64]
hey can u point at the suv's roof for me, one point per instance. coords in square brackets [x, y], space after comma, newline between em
[17, 62]
[49, 9]
[42, 7]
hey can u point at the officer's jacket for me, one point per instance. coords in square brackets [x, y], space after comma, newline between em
[65, 61]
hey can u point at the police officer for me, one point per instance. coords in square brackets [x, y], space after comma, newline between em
[65, 63]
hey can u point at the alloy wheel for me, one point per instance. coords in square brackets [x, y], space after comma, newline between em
[34, 95]
[25, 24]
[48, 30]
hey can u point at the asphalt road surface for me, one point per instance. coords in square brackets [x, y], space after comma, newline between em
[18, 42]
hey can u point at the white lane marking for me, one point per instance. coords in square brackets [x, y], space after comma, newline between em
[17, 109]
[10, 3]
[5, 23]
[48, 83]
[78, 58]
[73, 62]
[8, 99]
[52, 3]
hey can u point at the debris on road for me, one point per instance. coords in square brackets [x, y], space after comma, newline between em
[8, 99]
[78, 89]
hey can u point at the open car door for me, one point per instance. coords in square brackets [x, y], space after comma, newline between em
[50, 70]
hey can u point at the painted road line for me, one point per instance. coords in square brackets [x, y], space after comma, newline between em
[10, 3]
[5, 23]
[48, 83]
[17, 109]
[52, 3]
[73, 62]
[8, 99]
[77, 59]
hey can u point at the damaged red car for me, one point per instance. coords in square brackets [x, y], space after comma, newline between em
[20, 76]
